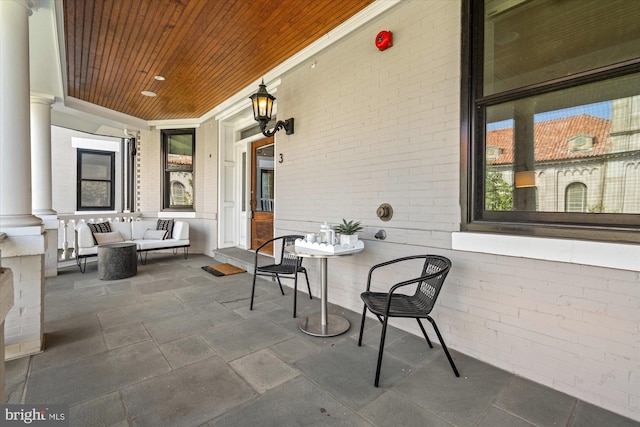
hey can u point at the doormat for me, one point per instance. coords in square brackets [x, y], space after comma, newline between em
[222, 269]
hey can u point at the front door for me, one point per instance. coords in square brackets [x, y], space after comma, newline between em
[262, 192]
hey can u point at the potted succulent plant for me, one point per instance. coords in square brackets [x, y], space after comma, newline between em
[348, 232]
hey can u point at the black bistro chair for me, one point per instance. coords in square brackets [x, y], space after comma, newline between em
[288, 266]
[397, 304]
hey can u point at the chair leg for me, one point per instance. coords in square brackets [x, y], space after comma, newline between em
[279, 283]
[295, 293]
[253, 289]
[82, 263]
[308, 286]
[444, 347]
[364, 316]
[424, 333]
[381, 350]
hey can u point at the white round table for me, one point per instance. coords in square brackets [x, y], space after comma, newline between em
[323, 324]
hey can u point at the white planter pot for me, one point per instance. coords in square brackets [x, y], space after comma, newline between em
[349, 240]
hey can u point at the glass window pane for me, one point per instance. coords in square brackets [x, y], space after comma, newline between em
[180, 151]
[537, 147]
[95, 194]
[180, 188]
[531, 41]
[96, 166]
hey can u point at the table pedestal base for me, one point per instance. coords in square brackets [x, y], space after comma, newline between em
[312, 325]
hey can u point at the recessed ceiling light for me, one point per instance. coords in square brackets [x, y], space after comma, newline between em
[161, 78]
[148, 93]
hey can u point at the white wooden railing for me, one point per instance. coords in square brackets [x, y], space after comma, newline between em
[67, 236]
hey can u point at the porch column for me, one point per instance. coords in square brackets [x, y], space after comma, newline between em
[15, 144]
[41, 196]
[22, 250]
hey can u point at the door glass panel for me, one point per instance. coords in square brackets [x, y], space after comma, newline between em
[244, 182]
[265, 173]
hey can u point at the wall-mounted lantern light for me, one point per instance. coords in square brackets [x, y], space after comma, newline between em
[262, 107]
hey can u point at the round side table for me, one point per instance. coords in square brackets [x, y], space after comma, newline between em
[117, 261]
[323, 324]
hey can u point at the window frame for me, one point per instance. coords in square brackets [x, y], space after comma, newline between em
[166, 183]
[79, 180]
[605, 227]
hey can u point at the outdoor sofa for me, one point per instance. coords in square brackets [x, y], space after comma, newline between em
[148, 235]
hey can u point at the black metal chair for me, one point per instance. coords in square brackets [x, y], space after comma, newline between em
[418, 306]
[287, 267]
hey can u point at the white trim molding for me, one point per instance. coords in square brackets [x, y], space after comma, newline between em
[601, 254]
[95, 144]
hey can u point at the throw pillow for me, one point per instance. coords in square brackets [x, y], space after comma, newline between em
[105, 238]
[165, 224]
[154, 234]
[101, 227]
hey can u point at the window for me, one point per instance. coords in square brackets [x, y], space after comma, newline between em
[553, 101]
[96, 180]
[178, 148]
[576, 197]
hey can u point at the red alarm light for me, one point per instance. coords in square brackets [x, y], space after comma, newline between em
[383, 40]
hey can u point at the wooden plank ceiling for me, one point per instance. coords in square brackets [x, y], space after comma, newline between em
[207, 50]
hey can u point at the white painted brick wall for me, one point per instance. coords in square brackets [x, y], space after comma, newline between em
[558, 335]
[149, 157]
[202, 230]
[63, 170]
[64, 166]
[207, 168]
[375, 127]
[24, 323]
